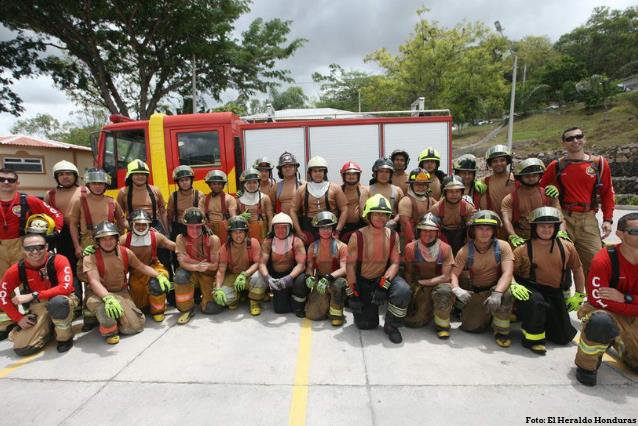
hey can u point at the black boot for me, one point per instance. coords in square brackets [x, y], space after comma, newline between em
[3, 335]
[586, 377]
[65, 346]
[393, 333]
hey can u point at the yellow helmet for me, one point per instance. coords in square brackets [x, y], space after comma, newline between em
[137, 166]
[485, 217]
[40, 224]
[377, 204]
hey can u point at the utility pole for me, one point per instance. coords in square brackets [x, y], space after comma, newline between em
[194, 87]
[510, 124]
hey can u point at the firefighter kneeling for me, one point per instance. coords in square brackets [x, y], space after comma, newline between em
[326, 271]
[372, 268]
[238, 263]
[483, 268]
[428, 263]
[106, 270]
[540, 303]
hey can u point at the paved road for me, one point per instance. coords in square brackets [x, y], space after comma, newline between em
[236, 369]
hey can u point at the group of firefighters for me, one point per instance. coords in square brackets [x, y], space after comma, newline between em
[426, 245]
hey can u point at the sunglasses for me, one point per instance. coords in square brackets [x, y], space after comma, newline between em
[8, 179]
[574, 137]
[38, 247]
[632, 231]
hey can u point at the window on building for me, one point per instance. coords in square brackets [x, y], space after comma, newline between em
[199, 149]
[24, 165]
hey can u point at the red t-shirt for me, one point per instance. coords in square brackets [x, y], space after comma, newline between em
[10, 215]
[599, 276]
[38, 281]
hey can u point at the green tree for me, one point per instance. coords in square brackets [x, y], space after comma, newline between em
[342, 89]
[18, 58]
[42, 125]
[292, 97]
[559, 74]
[596, 91]
[128, 56]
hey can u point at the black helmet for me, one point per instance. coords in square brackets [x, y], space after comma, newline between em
[193, 216]
[237, 223]
[382, 163]
[284, 159]
[465, 162]
[401, 152]
[325, 218]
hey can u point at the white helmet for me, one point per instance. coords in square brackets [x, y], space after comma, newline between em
[281, 218]
[64, 166]
[317, 162]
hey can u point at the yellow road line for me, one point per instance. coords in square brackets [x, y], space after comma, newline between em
[8, 369]
[612, 360]
[299, 402]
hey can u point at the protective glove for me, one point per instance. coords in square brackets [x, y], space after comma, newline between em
[480, 186]
[494, 301]
[112, 307]
[564, 236]
[88, 250]
[574, 302]
[246, 215]
[311, 282]
[219, 296]
[551, 191]
[285, 282]
[322, 285]
[240, 282]
[519, 292]
[462, 295]
[164, 283]
[515, 240]
[273, 283]
[379, 296]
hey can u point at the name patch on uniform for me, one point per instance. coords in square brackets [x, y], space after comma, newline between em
[16, 210]
[590, 171]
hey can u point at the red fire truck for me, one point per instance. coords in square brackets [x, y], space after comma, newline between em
[225, 141]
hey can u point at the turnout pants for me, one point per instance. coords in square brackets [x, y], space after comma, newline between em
[185, 284]
[366, 314]
[56, 313]
[64, 246]
[88, 317]
[475, 317]
[131, 321]
[602, 329]
[429, 302]
[219, 228]
[291, 299]
[10, 253]
[584, 231]
[256, 288]
[143, 295]
[329, 304]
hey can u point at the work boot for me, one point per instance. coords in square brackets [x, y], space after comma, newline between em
[185, 317]
[158, 317]
[443, 334]
[393, 333]
[503, 340]
[65, 346]
[538, 349]
[337, 322]
[255, 308]
[113, 340]
[586, 377]
[88, 326]
[233, 306]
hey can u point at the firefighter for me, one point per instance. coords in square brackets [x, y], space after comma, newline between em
[538, 295]
[286, 188]
[609, 316]
[198, 256]
[314, 196]
[326, 272]
[254, 205]
[372, 268]
[45, 281]
[267, 183]
[15, 209]
[356, 196]
[381, 183]
[453, 212]
[91, 208]
[430, 160]
[218, 206]
[282, 265]
[62, 198]
[499, 183]
[481, 277]
[517, 205]
[238, 265]
[186, 196]
[583, 184]
[139, 194]
[400, 160]
[415, 204]
[111, 301]
[465, 168]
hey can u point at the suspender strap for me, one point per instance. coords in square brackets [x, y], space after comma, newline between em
[99, 260]
[87, 213]
[359, 236]
[487, 193]
[153, 245]
[305, 200]
[129, 200]
[615, 267]
[175, 207]
[24, 211]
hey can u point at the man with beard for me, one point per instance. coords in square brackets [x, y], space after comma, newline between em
[218, 206]
[314, 196]
[286, 188]
[381, 183]
[415, 204]
[430, 161]
[254, 205]
[453, 212]
[356, 196]
[400, 160]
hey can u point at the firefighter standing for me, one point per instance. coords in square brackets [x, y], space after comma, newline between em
[198, 256]
[453, 212]
[282, 265]
[45, 281]
[267, 183]
[314, 196]
[326, 272]
[582, 179]
[372, 268]
[254, 205]
[356, 196]
[538, 294]
[499, 183]
[428, 265]
[465, 168]
[481, 277]
[430, 160]
[218, 206]
[381, 183]
[415, 204]
[286, 188]
[400, 160]
[186, 196]
[609, 316]
[238, 265]
[111, 301]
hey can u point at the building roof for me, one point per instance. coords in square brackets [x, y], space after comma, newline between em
[35, 142]
[304, 114]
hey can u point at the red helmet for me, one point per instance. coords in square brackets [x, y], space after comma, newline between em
[351, 166]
